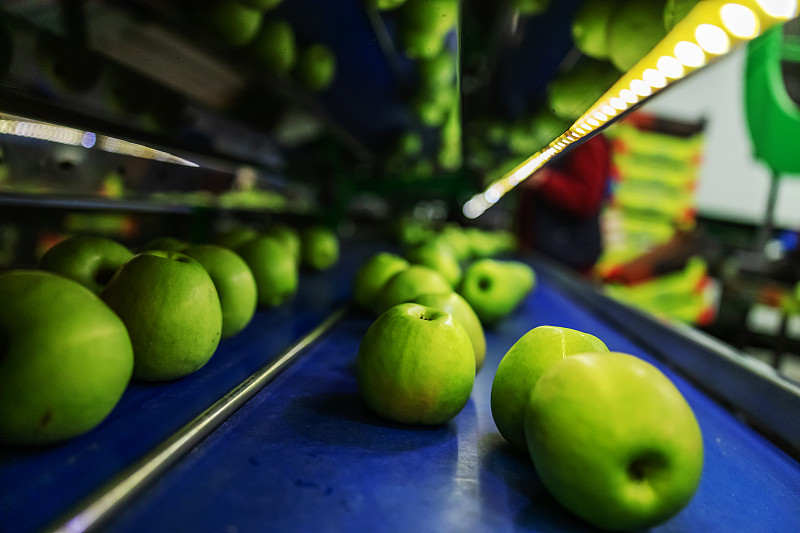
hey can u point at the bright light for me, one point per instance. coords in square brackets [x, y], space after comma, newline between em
[780, 9]
[669, 67]
[580, 130]
[618, 103]
[712, 39]
[492, 195]
[88, 139]
[641, 88]
[739, 20]
[602, 117]
[593, 122]
[608, 110]
[690, 54]
[629, 96]
[654, 78]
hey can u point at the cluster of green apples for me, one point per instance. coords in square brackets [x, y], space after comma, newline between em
[95, 315]
[269, 40]
[432, 311]
[610, 436]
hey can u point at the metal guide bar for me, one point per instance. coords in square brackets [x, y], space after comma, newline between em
[111, 497]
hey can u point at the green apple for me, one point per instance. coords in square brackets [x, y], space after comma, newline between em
[419, 44]
[456, 305]
[415, 365]
[614, 441]
[274, 46]
[522, 366]
[232, 22]
[372, 275]
[495, 288]
[234, 281]
[571, 92]
[87, 259]
[165, 243]
[438, 256]
[634, 29]
[171, 308]
[236, 237]
[316, 67]
[410, 283]
[289, 236]
[65, 358]
[435, 17]
[590, 27]
[438, 71]
[274, 268]
[319, 247]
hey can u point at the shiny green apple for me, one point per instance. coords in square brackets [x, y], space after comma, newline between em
[290, 236]
[235, 237]
[171, 308]
[231, 22]
[614, 440]
[65, 358]
[165, 243]
[495, 288]
[410, 283]
[372, 275]
[522, 366]
[415, 365]
[234, 281]
[274, 268]
[274, 46]
[89, 260]
[457, 306]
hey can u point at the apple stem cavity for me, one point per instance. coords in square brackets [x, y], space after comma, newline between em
[484, 284]
[643, 466]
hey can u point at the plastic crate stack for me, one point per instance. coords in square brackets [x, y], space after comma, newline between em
[655, 166]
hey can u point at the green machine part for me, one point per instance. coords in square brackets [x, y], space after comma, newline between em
[773, 117]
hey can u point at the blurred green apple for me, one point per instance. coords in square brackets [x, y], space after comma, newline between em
[316, 67]
[435, 17]
[418, 44]
[232, 22]
[288, 236]
[614, 441]
[634, 29]
[438, 71]
[495, 288]
[590, 27]
[65, 358]
[171, 308]
[415, 365]
[438, 256]
[274, 269]
[319, 247]
[410, 283]
[530, 7]
[676, 10]
[571, 92]
[274, 47]
[385, 5]
[234, 281]
[89, 260]
[457, 306]
[372, 275]
[236, 237]
[520, 369]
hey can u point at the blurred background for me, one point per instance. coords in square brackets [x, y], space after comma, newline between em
[392, 119]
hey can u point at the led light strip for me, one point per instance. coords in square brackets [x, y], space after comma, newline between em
[710, 30]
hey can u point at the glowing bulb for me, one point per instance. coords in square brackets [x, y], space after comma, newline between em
[600, 116]
[669, 67]
[593, 122]
[628, 96]
[712, 39]
[580, 130]
[491, 195]
[641, 88]
[690, 54]
[608, 110]
[780, 9]
[618, 103]
[739, 20]
[654, 78]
